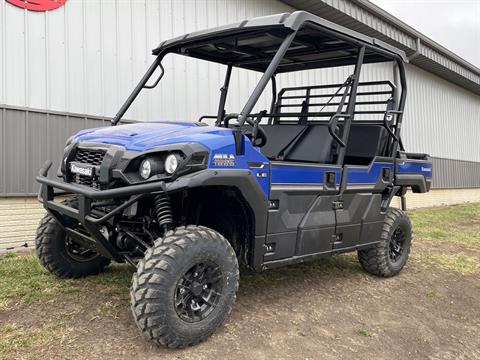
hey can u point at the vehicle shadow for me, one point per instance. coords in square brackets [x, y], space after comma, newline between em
[341, 266]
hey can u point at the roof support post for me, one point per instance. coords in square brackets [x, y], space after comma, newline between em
[131, 98]
[401, 105]
[223, 96]
[351, 104]
[267, 75]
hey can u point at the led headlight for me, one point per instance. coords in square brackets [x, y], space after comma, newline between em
[145, 169]
[171, 164]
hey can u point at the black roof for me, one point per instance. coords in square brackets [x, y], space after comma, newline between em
[251, 44]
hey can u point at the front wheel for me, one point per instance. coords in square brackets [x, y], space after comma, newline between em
[389, 256]
[60, 255]
[184, 287]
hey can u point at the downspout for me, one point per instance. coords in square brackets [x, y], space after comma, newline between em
[417, 50]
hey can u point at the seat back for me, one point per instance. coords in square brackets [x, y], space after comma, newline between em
[279, 136]
[307, 143]
[365, 142]
[315, 146]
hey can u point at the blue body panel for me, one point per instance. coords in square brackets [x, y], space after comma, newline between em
[220, 143]
[367, 174]
[291, 173]
[412, 167]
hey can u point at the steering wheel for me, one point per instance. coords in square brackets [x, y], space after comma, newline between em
[258, 137]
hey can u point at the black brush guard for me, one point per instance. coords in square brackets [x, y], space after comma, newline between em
[85, 213]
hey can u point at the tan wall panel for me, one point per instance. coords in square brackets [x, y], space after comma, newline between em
[440, 197]
[19, 219]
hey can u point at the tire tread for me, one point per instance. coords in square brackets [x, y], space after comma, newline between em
[158, 267]
[47, 232]
[374, 260]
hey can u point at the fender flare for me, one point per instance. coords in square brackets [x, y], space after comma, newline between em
[243, 180]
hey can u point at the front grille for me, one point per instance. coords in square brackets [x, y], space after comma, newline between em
[92, 157]
[86, 180]
[89, 156]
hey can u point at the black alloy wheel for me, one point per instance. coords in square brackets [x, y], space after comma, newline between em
[390, 254]
[198, 292]
[397, 241]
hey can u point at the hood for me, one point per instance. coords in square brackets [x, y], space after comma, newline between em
[146, 135]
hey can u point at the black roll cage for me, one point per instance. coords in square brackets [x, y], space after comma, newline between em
[245, 116]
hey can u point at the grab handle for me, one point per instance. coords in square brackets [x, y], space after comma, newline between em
[387, 125]
[332, 124]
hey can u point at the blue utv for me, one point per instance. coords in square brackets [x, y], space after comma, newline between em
[185, 202]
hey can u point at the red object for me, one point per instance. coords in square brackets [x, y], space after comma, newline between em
[38, 5]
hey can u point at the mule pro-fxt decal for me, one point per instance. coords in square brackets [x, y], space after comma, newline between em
[223, 160]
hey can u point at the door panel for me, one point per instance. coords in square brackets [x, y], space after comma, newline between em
[317, 229]
[301, 218]
[360, 220]
[360, 210]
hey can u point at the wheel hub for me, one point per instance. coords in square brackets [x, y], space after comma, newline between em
[77, 252]
[198, 292]
[397, 241]
[197, 288]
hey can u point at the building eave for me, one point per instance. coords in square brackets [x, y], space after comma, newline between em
[371, 20]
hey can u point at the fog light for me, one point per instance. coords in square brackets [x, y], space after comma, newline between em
[171, 164]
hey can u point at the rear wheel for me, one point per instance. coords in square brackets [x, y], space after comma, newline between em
[184, 287]
[389, 256]
[61, 255]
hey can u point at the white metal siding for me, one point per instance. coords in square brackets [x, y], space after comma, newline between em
[86, 57]
[441, 118]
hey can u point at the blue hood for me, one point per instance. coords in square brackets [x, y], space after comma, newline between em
[147, 135]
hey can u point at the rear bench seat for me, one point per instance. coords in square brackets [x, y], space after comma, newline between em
[316, 144]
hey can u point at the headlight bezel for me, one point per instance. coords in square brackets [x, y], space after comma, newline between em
[190, 158]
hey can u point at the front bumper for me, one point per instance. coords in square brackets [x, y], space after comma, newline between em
[85, 214]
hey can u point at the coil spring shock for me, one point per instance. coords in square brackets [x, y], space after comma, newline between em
[163, 211]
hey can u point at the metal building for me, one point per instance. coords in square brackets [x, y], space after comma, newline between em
[70, 68]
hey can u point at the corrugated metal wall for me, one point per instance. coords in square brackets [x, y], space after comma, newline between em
[358, 15]
[29, 137]
[441, 118]
[85, 57]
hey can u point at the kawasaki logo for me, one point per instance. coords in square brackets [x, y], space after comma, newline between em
[38, 5]
[87, 171]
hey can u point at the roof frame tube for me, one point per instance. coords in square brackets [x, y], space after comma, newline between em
[401, 106]
[223, 96]
[267, 75]
[141, 85]
[351, 104]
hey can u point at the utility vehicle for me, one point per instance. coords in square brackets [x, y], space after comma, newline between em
[184, 203]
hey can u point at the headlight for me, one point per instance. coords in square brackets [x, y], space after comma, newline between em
[171, 164]
[145, 169]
